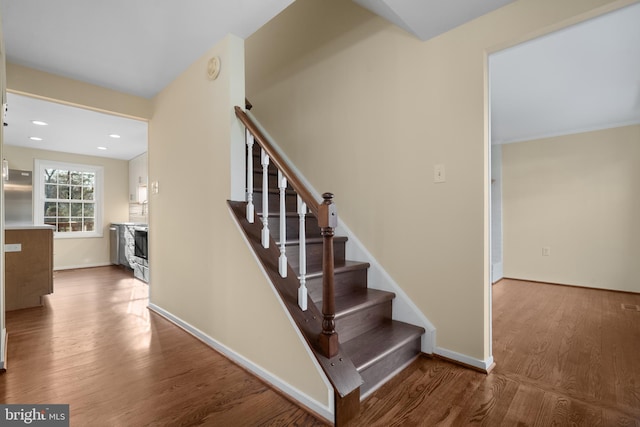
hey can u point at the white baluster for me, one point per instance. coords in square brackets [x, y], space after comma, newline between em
[282, 184]
[265, 199]
[250, 207]
[302, 290]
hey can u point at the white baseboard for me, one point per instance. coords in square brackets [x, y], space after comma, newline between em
[484, 365]
[75, 267]
[3, 349]
[258, 371]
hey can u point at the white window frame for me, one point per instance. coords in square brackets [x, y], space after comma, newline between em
[39, 199]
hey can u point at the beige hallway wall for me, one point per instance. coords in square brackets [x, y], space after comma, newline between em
[579, 196]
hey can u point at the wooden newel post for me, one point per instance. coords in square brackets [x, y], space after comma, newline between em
[328, 221]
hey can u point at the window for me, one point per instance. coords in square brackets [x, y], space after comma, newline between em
[69, 197]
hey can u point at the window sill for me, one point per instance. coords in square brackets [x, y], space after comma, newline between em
[76, 234]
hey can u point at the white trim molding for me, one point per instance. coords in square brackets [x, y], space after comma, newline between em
[75, 267]
[483, 365]
[3, 349]
[247, 364]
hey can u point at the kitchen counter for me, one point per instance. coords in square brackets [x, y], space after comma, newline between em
[28, 265]
[20, 226]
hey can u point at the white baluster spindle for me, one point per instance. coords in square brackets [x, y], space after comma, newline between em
[265, 199]
[250, 207]
[282, 185]
[302, 290]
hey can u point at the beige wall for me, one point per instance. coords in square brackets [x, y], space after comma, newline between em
[365, 110]
[579, 195]
[85, 252]
[201, 269]
[27, 81]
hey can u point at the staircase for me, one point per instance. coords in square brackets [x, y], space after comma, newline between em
[377, 346]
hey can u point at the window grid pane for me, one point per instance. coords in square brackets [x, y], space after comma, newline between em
[69, 200]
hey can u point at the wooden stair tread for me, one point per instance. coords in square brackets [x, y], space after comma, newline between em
[359, 299]
[287, 215]
[366, 349]
[276, 191]
[338, 267]
[270, 171]
[312, 240]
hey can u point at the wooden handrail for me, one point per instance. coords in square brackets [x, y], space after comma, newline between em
[327, 217]
[292, 178]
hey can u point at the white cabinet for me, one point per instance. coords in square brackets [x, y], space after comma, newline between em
[138, 179]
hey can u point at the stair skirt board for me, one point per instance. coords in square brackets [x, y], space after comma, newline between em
[312, 405]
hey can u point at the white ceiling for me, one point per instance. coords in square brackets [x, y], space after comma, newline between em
[133, 46]
[140, 46]
[582, 78]
[72, 130]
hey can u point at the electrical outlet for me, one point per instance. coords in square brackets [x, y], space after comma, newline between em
[438, 174]
[546, 251]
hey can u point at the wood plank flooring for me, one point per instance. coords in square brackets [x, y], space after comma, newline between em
[95, 346]
[565, 356]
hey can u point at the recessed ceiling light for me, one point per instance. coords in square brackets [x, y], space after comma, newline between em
[39, 123]
[35, 138]
[102, 148]
[114, 135]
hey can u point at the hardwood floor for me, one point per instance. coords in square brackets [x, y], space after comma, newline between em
[565, 356]
[96, 347]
